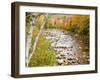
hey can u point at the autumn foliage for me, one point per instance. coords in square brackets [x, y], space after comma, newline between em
[75, 24]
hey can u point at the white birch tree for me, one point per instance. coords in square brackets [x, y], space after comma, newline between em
[32, 21]
[37, 38]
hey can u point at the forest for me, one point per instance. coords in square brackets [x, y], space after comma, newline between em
[56, 39]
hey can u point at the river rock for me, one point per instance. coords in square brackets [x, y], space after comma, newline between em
[58, 56]
[65, 61]
[60, 61]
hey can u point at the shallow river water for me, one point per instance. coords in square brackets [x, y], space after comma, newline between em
[65, 46]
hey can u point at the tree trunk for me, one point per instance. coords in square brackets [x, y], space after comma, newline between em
[37, 37]
[29, 36]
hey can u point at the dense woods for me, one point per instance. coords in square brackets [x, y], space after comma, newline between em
[38, 49]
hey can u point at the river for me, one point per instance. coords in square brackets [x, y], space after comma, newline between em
[66, 47]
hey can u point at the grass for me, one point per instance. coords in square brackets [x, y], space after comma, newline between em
[43, 55]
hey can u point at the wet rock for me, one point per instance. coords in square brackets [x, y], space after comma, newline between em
[64, 57]
[84, 53]
[65, 61]
[60, 61]
[76, 35]
[73, 61]
[76, 58]
[62, 54]
[70, 59]
[58, 56]
[80, 47]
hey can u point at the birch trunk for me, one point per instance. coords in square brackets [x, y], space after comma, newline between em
[29, 36]
[37, 38]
